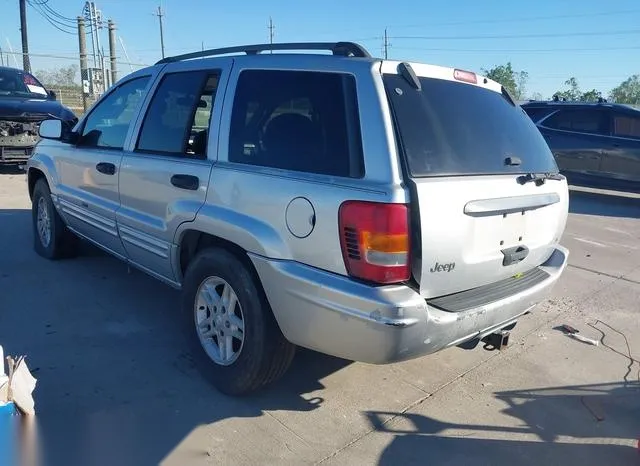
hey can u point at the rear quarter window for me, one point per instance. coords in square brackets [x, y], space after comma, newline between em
[536, 113]
[454, 128]
[592, 121]
[300, 121]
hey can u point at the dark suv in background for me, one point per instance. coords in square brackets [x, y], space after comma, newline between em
[592, 142]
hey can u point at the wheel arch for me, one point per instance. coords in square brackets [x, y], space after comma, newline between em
[41, 167]
[192, 241]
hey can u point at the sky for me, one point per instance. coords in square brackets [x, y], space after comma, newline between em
[598, 42]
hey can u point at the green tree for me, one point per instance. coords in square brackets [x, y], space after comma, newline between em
[628, 92]
[573, 93]
[513, 81]
[59, 77]
[591, 96]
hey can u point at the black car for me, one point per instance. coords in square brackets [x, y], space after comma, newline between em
[591, 141]
[24, 103]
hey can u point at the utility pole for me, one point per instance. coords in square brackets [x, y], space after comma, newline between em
[160, 14]
[112, 51]
[385, 45]
[97, 18]
[271, 33]
[26, 65]
[82, 45]
[89, 9]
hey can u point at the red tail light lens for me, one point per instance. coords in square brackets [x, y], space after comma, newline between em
[375, 241]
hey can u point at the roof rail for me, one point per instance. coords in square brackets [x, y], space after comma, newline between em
[345, 49]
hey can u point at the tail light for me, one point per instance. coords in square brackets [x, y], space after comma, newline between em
[375, 241]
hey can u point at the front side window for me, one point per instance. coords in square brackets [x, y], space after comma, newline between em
[108, 123]
[177, 120]
[297, 120]
[626, 126]
[583, 121]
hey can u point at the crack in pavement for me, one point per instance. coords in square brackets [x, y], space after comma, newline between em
[610, 275]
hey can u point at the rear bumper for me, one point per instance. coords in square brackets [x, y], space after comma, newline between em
[337, 316]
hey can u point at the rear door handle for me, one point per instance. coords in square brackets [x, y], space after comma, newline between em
[106, 168]
[189, 182]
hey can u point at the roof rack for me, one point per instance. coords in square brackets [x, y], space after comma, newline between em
[344, 49]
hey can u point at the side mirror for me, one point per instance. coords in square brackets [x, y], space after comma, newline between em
[50, 129]
[52, 95]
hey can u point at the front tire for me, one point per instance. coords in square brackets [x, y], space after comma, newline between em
[234, 336]
[51, 238]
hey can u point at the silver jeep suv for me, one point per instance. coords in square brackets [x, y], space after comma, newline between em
[373, 210]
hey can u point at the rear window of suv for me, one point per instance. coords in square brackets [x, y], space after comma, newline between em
[453, 128]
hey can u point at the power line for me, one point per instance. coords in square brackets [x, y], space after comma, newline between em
[524, 36]
[60, 26]
[555, 49]
[51, 11]
[71, 57]
[523, 18]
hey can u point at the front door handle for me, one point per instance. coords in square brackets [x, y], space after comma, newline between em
[106, 168]
[189, 182]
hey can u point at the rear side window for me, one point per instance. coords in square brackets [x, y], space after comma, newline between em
[626, 126]
[297, 120]
[584, 121]
[453, 128]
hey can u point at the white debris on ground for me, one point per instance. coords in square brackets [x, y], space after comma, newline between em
[16, 384]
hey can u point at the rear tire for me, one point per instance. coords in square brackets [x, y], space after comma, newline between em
[235, 339]
[51, 238]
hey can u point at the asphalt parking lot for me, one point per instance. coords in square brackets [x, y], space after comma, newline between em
[117, 387]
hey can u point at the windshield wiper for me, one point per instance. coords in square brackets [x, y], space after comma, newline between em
[539, 178]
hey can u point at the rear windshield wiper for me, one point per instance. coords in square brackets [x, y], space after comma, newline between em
[539, 178]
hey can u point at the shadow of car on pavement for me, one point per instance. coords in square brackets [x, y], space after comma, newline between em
[586, 425]
[116, 383]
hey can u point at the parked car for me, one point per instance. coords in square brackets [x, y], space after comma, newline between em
[591, 140]
[24, 103]
[369, 209]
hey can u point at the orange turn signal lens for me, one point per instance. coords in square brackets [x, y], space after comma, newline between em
[381, 242]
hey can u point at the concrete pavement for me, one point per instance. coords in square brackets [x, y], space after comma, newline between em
[117, 386]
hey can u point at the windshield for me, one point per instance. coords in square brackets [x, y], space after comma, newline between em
[453, 128]
[16, 83]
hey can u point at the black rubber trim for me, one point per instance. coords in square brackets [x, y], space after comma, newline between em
[483, 295]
